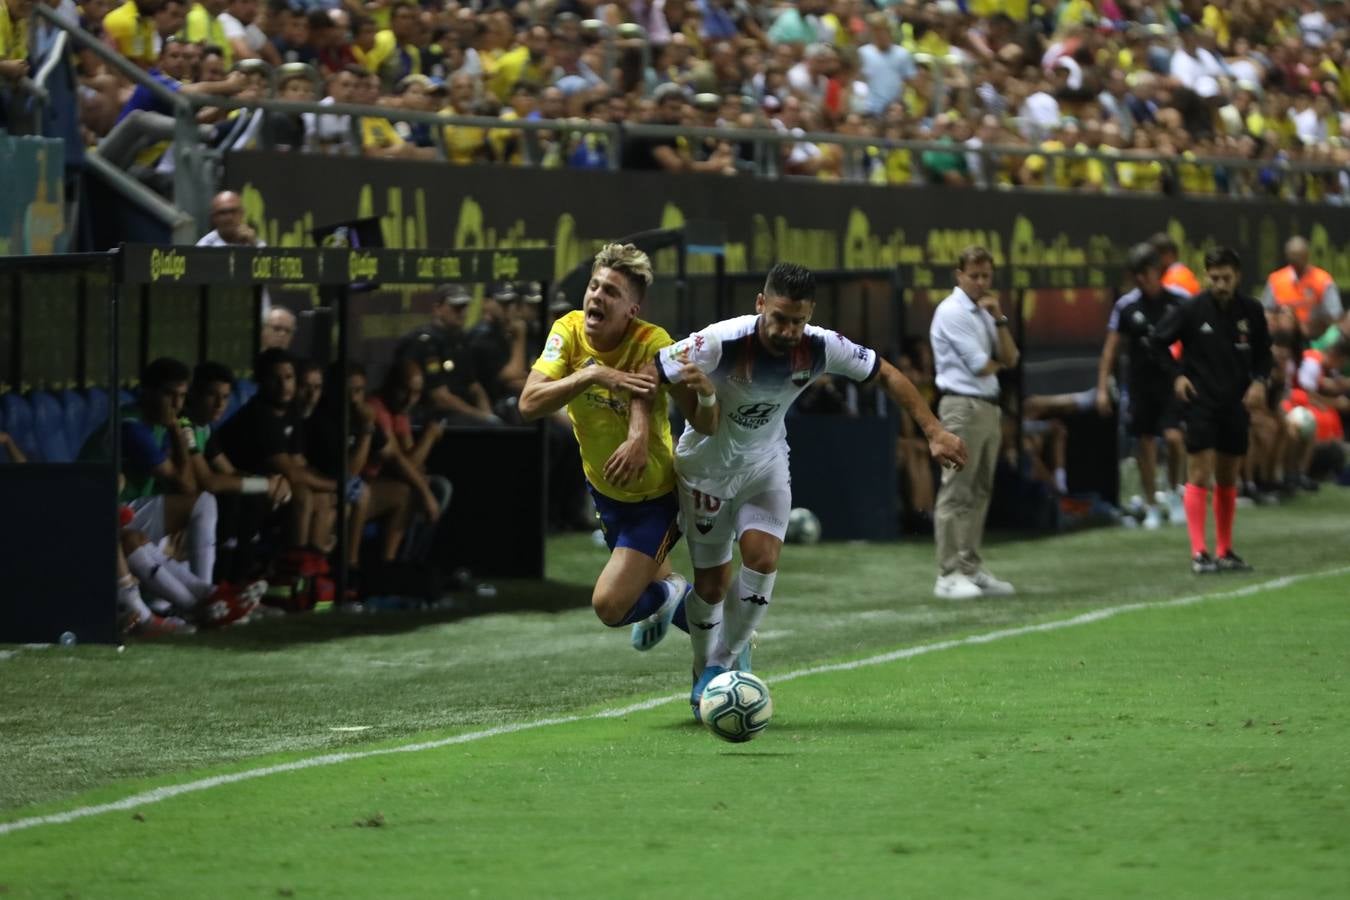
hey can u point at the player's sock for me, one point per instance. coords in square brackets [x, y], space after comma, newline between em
[705, 621]
[1062, 481]
[202, 536]
[1197, 509]
[1225, 508]
[130, 599]
[149, 568]
[648, 602]
[183, 572]
[743, 615]
[680, 620]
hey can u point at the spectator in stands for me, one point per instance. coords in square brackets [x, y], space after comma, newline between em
[204, 27]
[406, 458]
[278, 329]
[14, 50]
[453, 391]
[291, 131]
[145, 127]
[228, 226]
[169, 20]
[1302, 288]
[498, 344]
[335, 133]
[130, 30]
[266, 436]
[246, 39]
[421, 94]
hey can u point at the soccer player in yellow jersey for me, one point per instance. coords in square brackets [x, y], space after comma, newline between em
[590, 364]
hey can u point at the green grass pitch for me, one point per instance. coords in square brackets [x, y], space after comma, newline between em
[1195, 750]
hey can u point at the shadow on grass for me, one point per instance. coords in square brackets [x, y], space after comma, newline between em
[280, 633]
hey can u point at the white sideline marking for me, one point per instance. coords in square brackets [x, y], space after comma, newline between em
[157, 795]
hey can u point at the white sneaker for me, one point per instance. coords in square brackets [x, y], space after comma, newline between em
[956, 587]
[990, 586]
[1152, 519]
[1176, 508]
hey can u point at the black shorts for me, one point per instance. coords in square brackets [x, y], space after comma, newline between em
[1222, 429]
[1153, 409]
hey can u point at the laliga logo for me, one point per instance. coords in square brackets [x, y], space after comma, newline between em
[505, 265]
[362, 266]
[167, 264]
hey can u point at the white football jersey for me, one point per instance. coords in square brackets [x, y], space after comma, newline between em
[755, 389]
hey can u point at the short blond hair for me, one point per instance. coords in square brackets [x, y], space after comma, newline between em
[630, 262]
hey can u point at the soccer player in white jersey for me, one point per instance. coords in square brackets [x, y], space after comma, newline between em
[732, 478]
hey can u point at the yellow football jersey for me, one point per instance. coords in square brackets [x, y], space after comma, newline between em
[600, 416]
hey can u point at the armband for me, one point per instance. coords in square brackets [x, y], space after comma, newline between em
[707, 400]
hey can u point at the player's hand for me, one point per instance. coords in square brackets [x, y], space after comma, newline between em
[278, 490]
[948, 449]
[697, 380]
[435, 430]
[1103, 404]
[1255, 398]
[1185, 391]
[989, 303]
[639, 383]
[364, 414]
[627, 463]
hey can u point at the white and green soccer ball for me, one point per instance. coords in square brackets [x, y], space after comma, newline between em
[736, 706]
[803, 526]
[1303, 420]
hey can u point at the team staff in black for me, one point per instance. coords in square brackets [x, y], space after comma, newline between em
[442, 350]
[1225, 362]
[1152, 403]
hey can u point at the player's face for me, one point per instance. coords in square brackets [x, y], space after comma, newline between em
[215, 400]
[609, 307]
[1150, 280]
[782, 321]
[281, 384]
[310, 390]
[1222, 281]
[975, 279]
[170, 401]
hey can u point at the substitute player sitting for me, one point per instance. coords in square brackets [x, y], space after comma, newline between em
[590, 364]
[732, 460]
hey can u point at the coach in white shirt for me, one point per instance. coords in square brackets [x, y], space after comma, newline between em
[227, 215]
[972, 342]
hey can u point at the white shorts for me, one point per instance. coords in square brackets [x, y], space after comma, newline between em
[712, 523]
[149, 517]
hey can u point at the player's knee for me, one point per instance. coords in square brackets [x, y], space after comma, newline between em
[710, 590]
[761, 559]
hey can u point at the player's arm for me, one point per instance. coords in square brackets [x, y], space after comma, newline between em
[697, 398]
[544, 396]
[1263, 358]
[292, 467]
[945, 447]
[15, 454]
[176, 470]
[1170, 329]
[685, 367]
[1105, 366]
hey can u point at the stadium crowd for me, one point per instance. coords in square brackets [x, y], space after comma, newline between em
[1182, 79]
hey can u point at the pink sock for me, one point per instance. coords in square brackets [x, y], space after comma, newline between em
[1197, 509]
[1225, 508]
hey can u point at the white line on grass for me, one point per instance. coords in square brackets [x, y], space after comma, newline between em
[157, 795]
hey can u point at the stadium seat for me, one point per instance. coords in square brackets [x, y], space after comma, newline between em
[49, 428]
[245, 389]
[96, 411]
[19, 423]
[76, 410]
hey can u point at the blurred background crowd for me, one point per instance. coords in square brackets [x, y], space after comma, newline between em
[1184, 80]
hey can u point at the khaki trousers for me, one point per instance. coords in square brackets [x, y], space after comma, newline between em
[963, 500]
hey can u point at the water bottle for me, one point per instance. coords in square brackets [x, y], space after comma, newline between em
[67, 639]
[486, 591]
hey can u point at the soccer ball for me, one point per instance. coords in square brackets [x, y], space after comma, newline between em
[736, 706]
[803, 526]
[1303, 420]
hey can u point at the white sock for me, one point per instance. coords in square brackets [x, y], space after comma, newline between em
[743, 615]
[147, 564]
[129, 597]
[183, 572]
[202, 536]
[705, 624]
[1061, 481]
